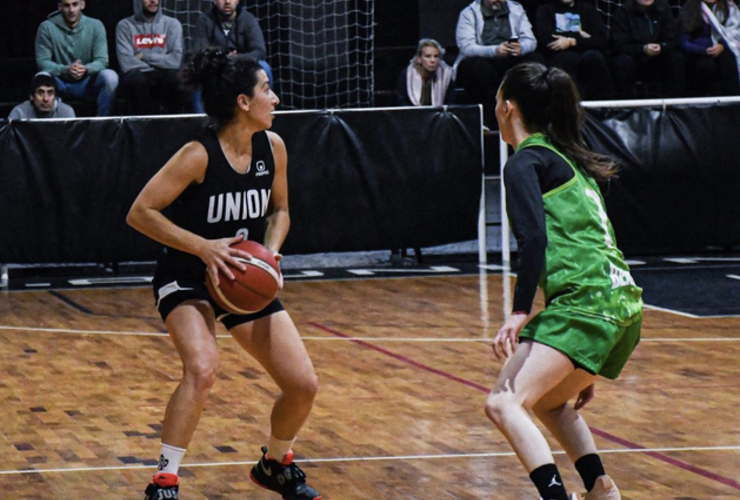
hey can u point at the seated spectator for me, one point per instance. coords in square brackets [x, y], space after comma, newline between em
[645, 36]
[149, 49]
[493, 36]
[43, 101]
[427, 80]
[573, 37]
[73, 48]
[228, 25]
[711, 66]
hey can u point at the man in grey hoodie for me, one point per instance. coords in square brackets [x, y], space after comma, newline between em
[149, 49]
[43, 101]
[73, 48]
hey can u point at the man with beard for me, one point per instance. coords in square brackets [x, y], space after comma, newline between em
[149, 49]
[229, 26]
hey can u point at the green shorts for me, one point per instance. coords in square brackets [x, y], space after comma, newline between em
[596, 345]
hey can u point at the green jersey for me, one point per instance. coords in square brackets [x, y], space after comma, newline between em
[584, 270]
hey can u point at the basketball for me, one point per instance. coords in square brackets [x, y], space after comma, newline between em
[254, 288]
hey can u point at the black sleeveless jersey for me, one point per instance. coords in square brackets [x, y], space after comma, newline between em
[225, 204]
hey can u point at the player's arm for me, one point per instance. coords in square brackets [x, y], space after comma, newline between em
[186, 167]
[527, 214]
[278, 222]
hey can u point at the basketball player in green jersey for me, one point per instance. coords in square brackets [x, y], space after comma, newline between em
[593, 310]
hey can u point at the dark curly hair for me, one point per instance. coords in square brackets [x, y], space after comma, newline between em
[221, 78]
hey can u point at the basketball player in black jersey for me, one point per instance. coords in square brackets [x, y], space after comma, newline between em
[229, 185]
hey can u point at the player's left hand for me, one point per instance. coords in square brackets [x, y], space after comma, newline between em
[278, 257]
[507, 338]
[585, 396]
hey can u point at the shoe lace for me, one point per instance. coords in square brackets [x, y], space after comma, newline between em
[296, 473]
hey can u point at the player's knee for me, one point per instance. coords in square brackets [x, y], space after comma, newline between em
[305, 389]
[202, 373]
[542, 412]
[497, 404]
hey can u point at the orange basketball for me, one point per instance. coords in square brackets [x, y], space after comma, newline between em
[253, 289]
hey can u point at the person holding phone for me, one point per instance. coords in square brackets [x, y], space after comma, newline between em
[493, 36]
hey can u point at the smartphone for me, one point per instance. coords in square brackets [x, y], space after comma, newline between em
[514, 39]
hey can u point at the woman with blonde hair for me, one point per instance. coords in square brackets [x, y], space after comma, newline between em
[427, 80]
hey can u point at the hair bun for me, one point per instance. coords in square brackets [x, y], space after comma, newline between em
[204, 65]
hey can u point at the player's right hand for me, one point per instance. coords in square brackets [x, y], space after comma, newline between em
[220, 255]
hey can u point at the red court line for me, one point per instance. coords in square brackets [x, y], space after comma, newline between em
[610, 437]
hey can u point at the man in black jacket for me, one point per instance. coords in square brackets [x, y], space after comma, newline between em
[573, 37]
[228, 25]
[645, 34]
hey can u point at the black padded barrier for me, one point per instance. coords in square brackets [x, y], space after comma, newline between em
[678, 189]
[358, 180]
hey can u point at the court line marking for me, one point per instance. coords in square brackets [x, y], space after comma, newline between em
[339, 339]
[365, 459]
[688, 315]
[598, 432]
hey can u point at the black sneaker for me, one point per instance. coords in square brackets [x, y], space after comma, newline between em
[163, 487]
[283, 477]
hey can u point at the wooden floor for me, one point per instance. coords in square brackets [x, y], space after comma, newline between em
[404, 369]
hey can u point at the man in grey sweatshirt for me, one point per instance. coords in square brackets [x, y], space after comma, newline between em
[73, 48]
[149, 49]
[43, 101]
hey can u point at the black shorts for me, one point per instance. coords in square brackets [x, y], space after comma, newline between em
[171, 291]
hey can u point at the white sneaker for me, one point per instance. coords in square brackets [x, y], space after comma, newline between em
[604, 489]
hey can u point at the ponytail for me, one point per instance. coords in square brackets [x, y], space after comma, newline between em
[549, 103]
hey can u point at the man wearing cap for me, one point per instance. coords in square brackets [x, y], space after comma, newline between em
[43, 101]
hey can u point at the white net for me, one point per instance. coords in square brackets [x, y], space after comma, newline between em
[608, 8]
[321, 52]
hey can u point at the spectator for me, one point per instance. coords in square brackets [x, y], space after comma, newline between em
[43, 101]
[73, 48]
[573, 37]
[645, 36]
[493, 36]
[228, 25]
[149, 49]
[427, 80]
[711, 66]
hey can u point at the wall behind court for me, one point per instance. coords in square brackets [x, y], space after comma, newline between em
[359, 180]
[678, 184]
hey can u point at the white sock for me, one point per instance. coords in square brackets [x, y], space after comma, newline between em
[277, 449]
[169, 460]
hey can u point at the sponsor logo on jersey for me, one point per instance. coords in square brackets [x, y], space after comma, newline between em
[243, 205]
[620, 277]
[261, 169]
[150, 41]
